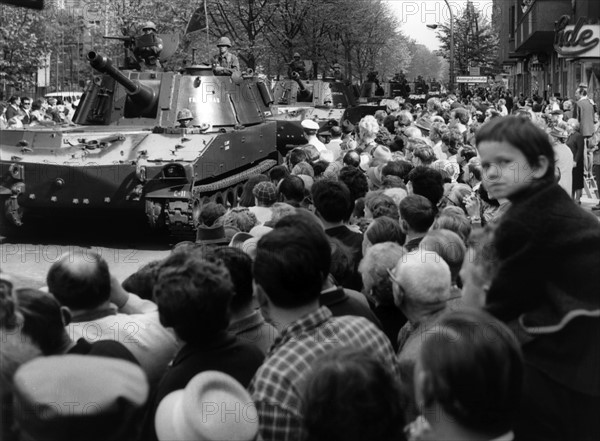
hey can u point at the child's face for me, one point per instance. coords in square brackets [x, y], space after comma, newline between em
[505, 169]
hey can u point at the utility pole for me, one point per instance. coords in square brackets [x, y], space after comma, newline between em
[452, 72]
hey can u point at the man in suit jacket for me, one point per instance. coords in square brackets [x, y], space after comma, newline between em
[26, 109]
[585, 112]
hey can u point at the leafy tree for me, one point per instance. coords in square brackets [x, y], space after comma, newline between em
[424, 63]
[245, 22]
[362, 36]
[475, 42]
[22, 46]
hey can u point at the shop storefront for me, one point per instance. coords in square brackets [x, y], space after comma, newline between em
[577, 58]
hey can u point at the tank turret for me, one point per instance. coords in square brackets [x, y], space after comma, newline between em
[304, 95]
[150, 142]
[144, 97]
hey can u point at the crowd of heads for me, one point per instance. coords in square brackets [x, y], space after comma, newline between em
[19, 112]
[398, 215]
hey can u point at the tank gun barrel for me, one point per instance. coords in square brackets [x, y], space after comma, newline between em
[296, 78]
[143, 95]
[129, 40]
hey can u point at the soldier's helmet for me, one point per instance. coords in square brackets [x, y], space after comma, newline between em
[337, 66]
[224, 41]
[149, 25]
[185, 115]
[296, 55]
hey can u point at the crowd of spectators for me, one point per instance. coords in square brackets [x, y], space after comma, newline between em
[25, 111]
[427, 274]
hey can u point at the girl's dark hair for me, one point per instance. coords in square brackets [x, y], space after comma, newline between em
[352, 396]
[8, 308]
[247, 198]
[523, 135]
[474, 370]
[43, 321]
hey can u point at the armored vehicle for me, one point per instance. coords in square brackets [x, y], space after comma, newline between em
[128, 150]
[326, 101]
[295, 100]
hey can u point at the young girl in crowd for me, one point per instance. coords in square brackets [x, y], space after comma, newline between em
[547, 284]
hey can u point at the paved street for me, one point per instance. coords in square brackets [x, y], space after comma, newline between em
[28, 255]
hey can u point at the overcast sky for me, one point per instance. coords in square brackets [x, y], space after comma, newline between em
[415, 15]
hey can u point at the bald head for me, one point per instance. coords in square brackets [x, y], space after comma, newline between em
[424, 278]
[80, 280]
[413, 132]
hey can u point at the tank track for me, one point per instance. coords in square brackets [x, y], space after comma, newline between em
[179, 213]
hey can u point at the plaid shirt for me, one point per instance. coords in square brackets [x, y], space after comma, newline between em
[277, 386]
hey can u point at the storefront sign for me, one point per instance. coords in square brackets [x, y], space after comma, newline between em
[579, 40]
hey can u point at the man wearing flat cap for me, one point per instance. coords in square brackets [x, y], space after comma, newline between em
[265, 195]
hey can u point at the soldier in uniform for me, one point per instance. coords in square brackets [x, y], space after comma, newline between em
[148, 47]
[337, 73]
[225, 63]
[184, 118]
[297, 65]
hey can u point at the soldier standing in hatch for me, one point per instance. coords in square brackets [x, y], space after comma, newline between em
[297, 65]
[184, 118]
[337, 73]
[148, 47]
[225, 63]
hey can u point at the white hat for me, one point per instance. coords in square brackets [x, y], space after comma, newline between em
[259, 231]
[310, 124]
[213, 406]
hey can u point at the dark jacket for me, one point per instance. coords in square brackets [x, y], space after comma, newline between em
[103, 348]
[353, 240]
[224, 353]
[548, 291]
[548, 285]
[340, 303]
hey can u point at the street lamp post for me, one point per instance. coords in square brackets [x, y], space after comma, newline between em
[451, 47]
[451, 62]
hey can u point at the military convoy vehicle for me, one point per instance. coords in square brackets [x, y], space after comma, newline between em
[295, 100]
[128, 150]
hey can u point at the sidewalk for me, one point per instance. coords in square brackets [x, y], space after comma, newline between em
[588, 203]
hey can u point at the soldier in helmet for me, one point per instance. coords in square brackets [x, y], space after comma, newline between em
[337, 73]
[297, 65]
[148, 47]
[185, 117]
[225, 63]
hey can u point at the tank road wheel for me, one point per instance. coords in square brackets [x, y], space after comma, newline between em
[230, 198]
[219, 199]
[155, 214]
[239, 191]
